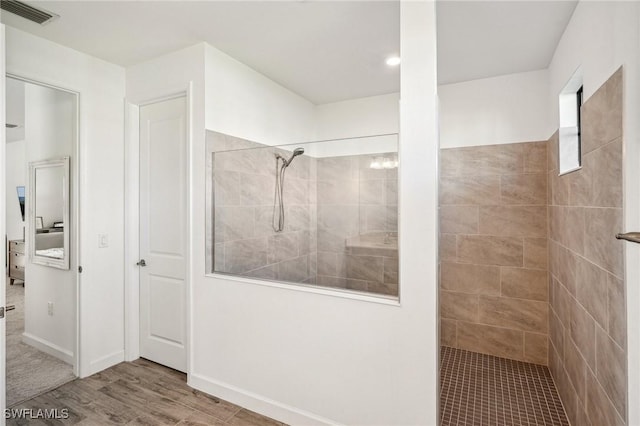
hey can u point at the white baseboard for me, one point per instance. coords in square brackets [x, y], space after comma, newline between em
[254, 402]
[48, 347]
[104, 362]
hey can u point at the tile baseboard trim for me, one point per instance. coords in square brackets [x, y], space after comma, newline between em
[254, 402]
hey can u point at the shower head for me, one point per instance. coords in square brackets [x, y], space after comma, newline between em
[296, 152]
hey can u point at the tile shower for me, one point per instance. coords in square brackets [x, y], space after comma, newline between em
[340, 213]
[587, 328]
[529, 266]
[493, 269]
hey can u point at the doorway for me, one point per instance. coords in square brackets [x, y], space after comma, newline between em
[163, 232]
[41, 317]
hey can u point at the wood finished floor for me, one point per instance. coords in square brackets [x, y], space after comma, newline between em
[138, 393]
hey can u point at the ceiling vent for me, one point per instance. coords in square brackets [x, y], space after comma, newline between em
[39, 16]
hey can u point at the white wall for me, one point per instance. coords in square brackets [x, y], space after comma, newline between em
[354, 126]
[101, 167]
[499, 110]
[14, 97]
[244, 103]
[167, 75]
[16, 165]
[49, 199]
[416, 338]
[16, 175]
[601, 37]
[305, 356]
[375, 115]
[50, 119]
[50, 128]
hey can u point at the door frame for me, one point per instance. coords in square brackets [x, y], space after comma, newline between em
[132, 218]
[74, 209]
[3, 230]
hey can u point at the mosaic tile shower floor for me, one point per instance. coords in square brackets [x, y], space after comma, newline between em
[482, 390]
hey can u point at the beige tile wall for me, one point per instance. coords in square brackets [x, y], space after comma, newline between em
[329, 201]
[493, 250]
[241, 199]
[355, 200]
[587, 338]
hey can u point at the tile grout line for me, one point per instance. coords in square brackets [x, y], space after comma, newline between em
[490, 390]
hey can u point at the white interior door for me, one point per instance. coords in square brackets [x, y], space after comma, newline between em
[163, 232]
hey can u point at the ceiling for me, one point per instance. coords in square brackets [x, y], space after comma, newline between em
[480, 39]
[326, 51]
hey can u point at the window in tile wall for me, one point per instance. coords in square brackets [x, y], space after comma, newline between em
[569, 146]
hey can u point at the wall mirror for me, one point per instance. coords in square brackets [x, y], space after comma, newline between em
[48, 204]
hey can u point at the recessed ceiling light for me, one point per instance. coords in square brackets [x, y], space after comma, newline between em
[393, 61]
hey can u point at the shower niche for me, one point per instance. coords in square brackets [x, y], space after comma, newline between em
[315, 213]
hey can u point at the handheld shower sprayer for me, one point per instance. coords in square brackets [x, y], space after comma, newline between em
[296, 152]
[278, 223]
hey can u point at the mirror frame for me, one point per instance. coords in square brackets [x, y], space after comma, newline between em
[33, 257]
